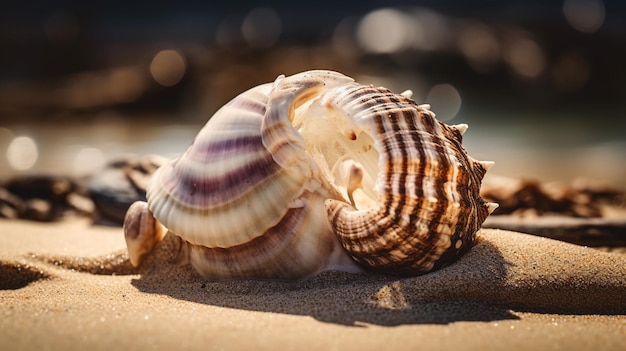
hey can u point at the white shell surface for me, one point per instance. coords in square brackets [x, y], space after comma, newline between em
[245, 169]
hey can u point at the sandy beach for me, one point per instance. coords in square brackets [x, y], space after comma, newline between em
[63, 288]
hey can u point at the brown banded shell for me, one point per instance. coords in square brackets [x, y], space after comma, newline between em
[425, 208]
[313, 172]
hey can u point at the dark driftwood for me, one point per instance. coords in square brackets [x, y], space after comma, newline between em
[582, 231]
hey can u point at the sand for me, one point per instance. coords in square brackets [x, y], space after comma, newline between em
[511, 291]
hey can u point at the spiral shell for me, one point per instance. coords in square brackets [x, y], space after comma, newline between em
[428, 206]
[312, 172]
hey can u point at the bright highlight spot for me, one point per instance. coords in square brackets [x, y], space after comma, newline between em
[261, 27]
[428, 30]
[445, 101]
[168, 67]
[585, 16]
[88, 160]
[22, 153]
[385, 31]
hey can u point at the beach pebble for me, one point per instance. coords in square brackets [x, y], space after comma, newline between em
[10, 205]
[52, 188]
[39, 197]
[38, 210]
[120, 183]
[583, 198]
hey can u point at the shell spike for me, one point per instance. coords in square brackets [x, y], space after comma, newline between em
[491, 206]
[486, 164]
[407, 93]
[462, 128]
[279, 78]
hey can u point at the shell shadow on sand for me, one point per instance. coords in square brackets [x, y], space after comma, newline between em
[331, 296]
[505, 271]
[16, 275]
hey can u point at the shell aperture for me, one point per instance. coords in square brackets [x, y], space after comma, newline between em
[315, 171]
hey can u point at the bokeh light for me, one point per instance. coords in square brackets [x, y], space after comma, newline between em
[430, 29]
[88, 160]
[586, 16]
[84, 82]
[445, 100]
[125, 84]
[524, 56]
[22, 153]
[479, 45]
[343, 38]
[92, 89]
[168, 67]
[261, 27]
[386, 31]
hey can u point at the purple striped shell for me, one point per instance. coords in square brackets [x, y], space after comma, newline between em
[314, 172]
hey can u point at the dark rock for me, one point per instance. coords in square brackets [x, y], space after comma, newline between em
[53, 188]
[11, 206]
[527, 197]
[120, 183]
[39, 210]
[594, 232]
[39, 197]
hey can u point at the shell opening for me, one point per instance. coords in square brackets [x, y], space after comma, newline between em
[345, 154]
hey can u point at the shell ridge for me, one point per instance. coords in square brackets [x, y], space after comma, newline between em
[400, 125]
[244, 259]
[273, 255]
[223, 226]
[278, 135]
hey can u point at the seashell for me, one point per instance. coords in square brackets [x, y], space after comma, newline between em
[313, 172]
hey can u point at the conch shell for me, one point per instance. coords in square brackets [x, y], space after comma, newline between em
[315, 172]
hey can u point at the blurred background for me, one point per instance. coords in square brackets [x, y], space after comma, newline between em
[542, 84]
